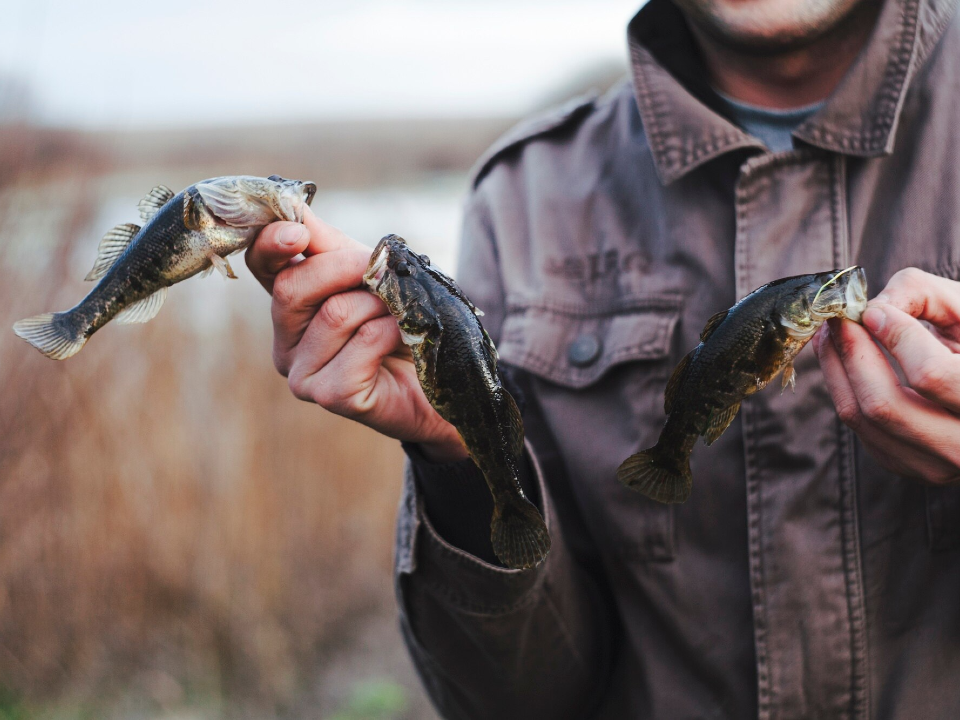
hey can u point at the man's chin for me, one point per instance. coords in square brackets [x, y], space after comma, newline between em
[768, 27]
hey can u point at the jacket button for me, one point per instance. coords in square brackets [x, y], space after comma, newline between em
[584, 351]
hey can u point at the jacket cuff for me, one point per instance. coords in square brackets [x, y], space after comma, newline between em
[460, 577]
[457, 501]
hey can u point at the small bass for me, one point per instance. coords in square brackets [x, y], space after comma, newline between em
[457, 367]
[740, 351]
[182, 234]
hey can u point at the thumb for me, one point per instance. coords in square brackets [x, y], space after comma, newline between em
[325, 237]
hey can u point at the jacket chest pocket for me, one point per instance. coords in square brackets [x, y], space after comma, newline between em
[598, 373]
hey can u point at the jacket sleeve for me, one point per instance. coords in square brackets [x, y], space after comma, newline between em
[489, 642]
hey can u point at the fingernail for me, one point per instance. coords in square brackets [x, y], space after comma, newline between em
[874, 319]
[291, 234]
[881, 299]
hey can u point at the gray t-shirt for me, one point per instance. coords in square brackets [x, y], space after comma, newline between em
[773, 127]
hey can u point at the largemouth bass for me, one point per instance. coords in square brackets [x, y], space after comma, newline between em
[457, 367]
[740, 351]
[182, 235]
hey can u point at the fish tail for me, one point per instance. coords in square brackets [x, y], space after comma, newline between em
[658, 473]
[56, 335]
[518, 533]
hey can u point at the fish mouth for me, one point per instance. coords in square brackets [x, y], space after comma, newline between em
[310, 188]
[377, 269]
[851, 290]
[855, 295]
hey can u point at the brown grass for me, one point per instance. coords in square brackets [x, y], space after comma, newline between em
[171, 519]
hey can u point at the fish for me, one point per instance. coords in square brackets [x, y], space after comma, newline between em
[456, 363]
[193, 231]
[741, 350]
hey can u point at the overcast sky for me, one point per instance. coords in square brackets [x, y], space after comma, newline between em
[113, 63]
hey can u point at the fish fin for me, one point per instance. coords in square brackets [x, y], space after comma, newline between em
[789, 378]
[207, 271]
[229, 201]
[712, 324]
[512, 422]
[153, 201]
[143, 310]
[223, 266]
[51, 334]
[651, 474]
[111, 247]
[719, 422]
[518, 534]
[676, 380]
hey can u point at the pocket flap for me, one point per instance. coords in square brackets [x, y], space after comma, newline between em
[575, 343]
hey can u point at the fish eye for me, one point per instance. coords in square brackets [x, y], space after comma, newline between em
[402, 269]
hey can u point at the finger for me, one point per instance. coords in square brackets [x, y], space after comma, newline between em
[325, 237]
[930, 368]
[273, 249]
[885, 403]
[844, 398]
[346, 384]
[925, 296]
[280, 242]
[894, 453]
[299, 291]
[339, 318]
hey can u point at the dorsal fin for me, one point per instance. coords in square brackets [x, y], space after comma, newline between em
[111, 247]
[153, 201]
[676, 380]
[712, 324]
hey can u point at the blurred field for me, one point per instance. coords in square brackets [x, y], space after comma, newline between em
[180, 537]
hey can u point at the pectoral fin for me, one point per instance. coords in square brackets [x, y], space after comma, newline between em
[223, 266]
[789, 378]
[719, 421]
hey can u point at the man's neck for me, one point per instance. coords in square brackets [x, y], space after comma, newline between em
[793, 78]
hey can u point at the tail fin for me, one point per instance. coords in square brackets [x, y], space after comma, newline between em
[518, 534]
[52, 334]
[657, 475]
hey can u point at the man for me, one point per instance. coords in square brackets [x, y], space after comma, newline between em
[815, 571]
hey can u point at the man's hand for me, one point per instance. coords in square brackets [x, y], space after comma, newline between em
[911, 429]
[335, 342]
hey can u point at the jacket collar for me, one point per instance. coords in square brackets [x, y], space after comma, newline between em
[682, 117]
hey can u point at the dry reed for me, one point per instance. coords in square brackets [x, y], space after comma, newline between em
[171, 519]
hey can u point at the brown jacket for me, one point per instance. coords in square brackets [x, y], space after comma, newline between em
[800, 580]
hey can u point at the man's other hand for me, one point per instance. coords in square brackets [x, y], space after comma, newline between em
[335, 342]
[912, 428]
